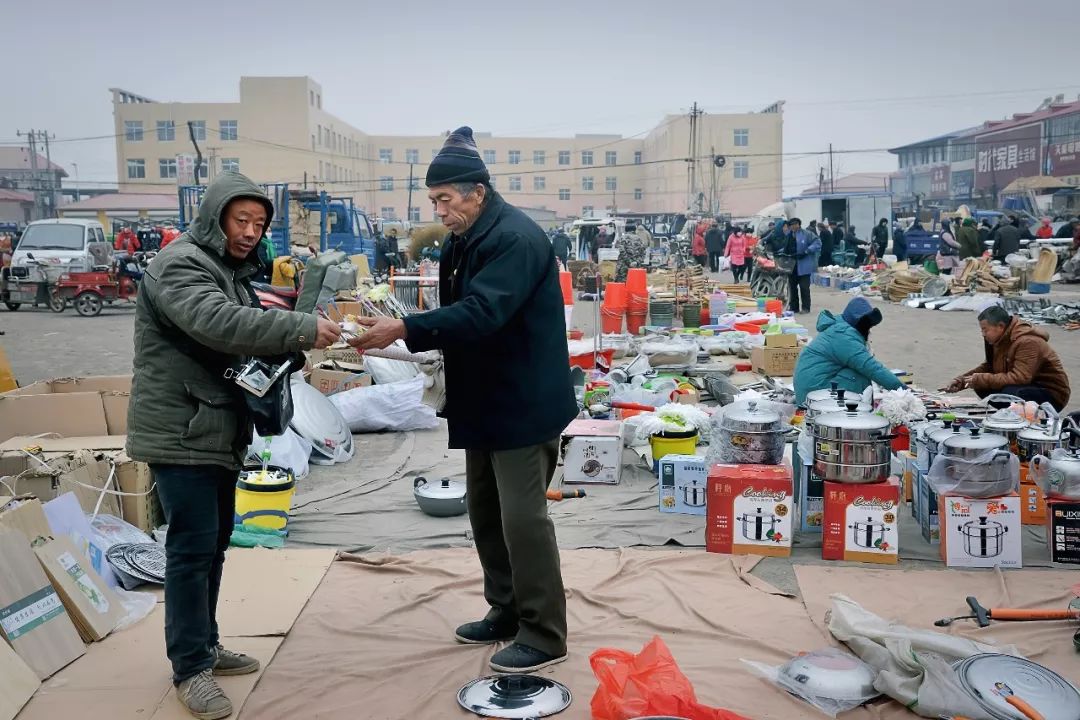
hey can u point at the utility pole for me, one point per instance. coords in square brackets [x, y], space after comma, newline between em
[37, 183]
[713, 205]
[692, 187]
[198, 152]
[408, 207]
[832, 180]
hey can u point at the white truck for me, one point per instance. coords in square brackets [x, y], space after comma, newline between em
[46, 250]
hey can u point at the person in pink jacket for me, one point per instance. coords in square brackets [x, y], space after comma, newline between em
[736, 250]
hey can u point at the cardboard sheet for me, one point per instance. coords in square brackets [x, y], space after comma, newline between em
[17, 682]
[380, 620]
[263, 591]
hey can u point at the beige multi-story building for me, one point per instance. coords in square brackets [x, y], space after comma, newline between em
[279, 132]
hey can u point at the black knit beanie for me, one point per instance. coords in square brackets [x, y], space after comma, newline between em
[458, 161]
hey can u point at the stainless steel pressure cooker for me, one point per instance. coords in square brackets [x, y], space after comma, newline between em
[1005, 421]
[983, 538]
[1037, 440]
[759, 525]
[751, 435]
[852, 446]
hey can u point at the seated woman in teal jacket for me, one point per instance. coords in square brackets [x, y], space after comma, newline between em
[839, 353]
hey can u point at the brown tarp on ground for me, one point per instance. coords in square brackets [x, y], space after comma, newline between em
[376, 640]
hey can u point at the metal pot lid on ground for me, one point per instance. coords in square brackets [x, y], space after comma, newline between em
[1044, 690]
[974, 440]
[852, 419]
[829, 674]
[748, 417]
[515, 696]
[445, 489]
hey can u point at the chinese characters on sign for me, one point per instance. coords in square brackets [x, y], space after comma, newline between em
[1004, 156]
[939, 182]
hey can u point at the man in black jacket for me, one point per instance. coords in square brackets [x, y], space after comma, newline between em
[714, 244]
[825, 256]
[560, 243]
[500, 325]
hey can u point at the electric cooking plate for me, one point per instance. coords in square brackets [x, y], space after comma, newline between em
[320, 422]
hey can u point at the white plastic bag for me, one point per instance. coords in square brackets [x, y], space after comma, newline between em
[137, 605]
[992, 474]
[788, 677]
[287, 450]
[670, 351]
[384, 371]
[397, 406]
[1052, 481]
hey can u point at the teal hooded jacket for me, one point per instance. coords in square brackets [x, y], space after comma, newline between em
[839, 354]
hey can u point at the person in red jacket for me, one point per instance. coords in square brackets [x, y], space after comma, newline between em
[168, 234]
[1045, 231]
[698, 248]
[127, 242]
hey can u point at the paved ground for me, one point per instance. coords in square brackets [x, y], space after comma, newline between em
[935, 346]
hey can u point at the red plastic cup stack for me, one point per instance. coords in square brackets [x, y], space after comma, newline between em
[637, 306]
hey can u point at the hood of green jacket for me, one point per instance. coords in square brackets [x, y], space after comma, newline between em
[825, 321]
[206, 230]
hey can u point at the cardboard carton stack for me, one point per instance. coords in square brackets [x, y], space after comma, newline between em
[684, 480]
[778, 356]
[980, 532]
[750, 510]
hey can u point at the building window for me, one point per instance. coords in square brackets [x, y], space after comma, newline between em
[412, 156]
[204, 170]
[386, 156]
[539, 157]
[386, 183]
[742, 169]
[515, 183]
[414, 183]
[538, 182]
[167, 168]
[586, 183]
[320, 170]
[742, 137]
[230, 164]
[586, 157]
[564, 193]
[387, 213]
[318, 100]
[610, 183]
[166, 131]
[611, 157]
[311, 97]
[414, 214]
[586, 211]
[638, 194]
[227, 129]
[515, 157]
[198, 127]
[637, 157]
[564, 157]
[318, 129]
[133, 130]
[136, 169]
[489, 157]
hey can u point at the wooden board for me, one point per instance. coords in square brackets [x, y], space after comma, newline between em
[32, 616]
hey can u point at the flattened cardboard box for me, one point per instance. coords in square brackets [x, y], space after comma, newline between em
[775, 361]
[18, 683]
[93, 605]
[26, 515]
[329, 381]
[32, 616]
[69, 407]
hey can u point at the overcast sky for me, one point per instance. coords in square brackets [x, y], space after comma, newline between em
[861, 74]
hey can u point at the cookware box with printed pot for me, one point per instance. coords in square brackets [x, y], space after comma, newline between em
[861, 522]
[750, 510]
[980, 532]
[683, 483]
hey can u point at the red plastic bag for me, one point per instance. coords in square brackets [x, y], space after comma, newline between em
[649, 683]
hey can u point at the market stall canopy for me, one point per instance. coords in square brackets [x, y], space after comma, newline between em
[1039, 182]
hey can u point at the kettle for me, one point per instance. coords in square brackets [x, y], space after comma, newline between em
[1058, 476]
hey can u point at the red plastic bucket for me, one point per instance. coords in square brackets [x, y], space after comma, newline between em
[611, 321]
[615, 296]
[752, 328]
[585, 361]
[566, 282]
[635, 321]
[902, 441]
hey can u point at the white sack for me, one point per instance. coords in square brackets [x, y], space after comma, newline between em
[397, 406]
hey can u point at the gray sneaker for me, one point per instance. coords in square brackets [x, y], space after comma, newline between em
[229, 663]
[203, 697]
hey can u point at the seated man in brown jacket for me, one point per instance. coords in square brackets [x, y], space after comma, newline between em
[1019, 361]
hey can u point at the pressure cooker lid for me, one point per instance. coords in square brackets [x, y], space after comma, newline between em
[445, 489]
[976, 440]
[750, 413]
[1041, 688]
[852, 419]
[1039, 433]
[514, 696]
[829, 674]
[1005, 419]
[316, 419]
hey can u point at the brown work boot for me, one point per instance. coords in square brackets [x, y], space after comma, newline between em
[203, 697]
[227, 662]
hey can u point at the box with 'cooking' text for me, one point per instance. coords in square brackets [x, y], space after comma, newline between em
[750, 510]
[862, 522]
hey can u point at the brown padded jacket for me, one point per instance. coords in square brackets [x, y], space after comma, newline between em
[1022, 357]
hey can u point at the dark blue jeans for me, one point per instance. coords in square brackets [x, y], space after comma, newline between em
[199, 503]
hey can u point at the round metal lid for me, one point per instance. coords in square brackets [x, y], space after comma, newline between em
[834, 405]
[1038, 433]
[749, 412]
[1046, 691]
[823, 394]
[852, 419]
[976, 440]
[318, 420]
[1005, 420]
[828, 674]
[445, 489]
[514, 696]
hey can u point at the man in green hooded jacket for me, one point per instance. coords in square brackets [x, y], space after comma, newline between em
[968, 237]
[195, 317]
